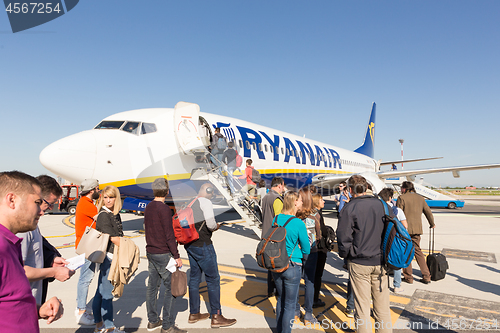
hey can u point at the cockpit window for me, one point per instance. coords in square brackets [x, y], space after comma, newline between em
[109, 124]
[148, 128]
[131, 127]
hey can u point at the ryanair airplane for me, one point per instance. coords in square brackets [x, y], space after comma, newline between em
[130, 149]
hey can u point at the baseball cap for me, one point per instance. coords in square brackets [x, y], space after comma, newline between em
[89, 184]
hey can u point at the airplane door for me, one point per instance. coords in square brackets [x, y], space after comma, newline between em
[186, 118]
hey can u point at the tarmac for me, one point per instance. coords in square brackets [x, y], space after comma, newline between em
[468, 298]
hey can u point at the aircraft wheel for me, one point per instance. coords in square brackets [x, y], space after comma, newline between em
[452, 205]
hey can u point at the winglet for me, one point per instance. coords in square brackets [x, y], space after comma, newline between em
[368, 146]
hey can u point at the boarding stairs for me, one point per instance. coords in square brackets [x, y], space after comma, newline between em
[194, 142]
[237, 200]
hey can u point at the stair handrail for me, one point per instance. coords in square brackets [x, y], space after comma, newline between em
[215, 171]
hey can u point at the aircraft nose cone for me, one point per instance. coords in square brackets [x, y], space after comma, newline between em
[72, 158]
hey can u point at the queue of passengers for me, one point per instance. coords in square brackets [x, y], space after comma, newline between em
[28, 261]
[161, 248]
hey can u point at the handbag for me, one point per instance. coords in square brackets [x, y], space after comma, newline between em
[178, 283]
[94, 244]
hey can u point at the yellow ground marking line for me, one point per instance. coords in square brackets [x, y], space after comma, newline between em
[244, 295]
[71, 225]
[400, 299]
[67, 223]
[486, 320]
[334, 314]
[430, 310]
[459, 306]
[60, 236]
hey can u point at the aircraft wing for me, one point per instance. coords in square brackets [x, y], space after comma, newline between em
[408, 161]
[332, 180]
[329, 179]
[454, 170]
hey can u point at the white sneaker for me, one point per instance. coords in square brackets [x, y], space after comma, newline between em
[398, 290]
[115, 330]
[85, 318]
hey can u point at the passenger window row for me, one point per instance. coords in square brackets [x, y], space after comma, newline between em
[288, 151]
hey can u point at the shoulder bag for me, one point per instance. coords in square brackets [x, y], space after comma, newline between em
[94, 244]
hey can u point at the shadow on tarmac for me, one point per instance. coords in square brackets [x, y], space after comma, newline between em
[125, 306]
[478, 284]
[254, 294]
[489, 268]
[239, 230]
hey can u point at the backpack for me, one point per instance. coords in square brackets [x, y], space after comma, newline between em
[397, 247]
[327, 242]
[271, 250]
[395, 210]
[183, 223]
[255, 176]
[239, 160]
[221, 143]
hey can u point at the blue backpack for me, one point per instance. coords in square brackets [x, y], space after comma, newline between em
[397, 248]
[221, 144]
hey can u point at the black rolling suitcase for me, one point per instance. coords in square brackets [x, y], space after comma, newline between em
[436, 261]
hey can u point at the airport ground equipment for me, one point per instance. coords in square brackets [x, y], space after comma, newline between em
[68, 201]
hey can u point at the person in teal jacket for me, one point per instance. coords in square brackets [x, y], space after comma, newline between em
[297, 245]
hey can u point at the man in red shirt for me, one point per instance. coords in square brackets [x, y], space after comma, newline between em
[250, 185]
[85, 212]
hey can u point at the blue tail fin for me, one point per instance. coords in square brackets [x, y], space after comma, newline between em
[368, 146]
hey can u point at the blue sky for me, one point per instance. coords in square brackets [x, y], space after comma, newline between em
[307, 67]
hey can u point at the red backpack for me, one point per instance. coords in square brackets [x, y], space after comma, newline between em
[183, 223]
[239, 160]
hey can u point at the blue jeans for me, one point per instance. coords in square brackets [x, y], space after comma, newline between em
[308, 274]
[158, 272]
[86, 276]
[203, 259]
[217, 161]
[287, 286]
[103, 298]
[229, 178]
[397, 278]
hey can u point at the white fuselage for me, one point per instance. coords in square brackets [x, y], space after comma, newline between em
[132, 160]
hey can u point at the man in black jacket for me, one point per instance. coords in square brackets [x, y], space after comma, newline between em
[359, 237]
